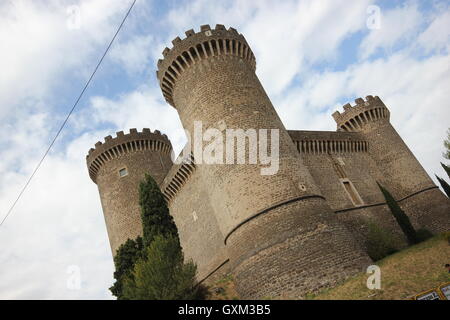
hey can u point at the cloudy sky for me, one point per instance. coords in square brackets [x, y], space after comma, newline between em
[312, 58]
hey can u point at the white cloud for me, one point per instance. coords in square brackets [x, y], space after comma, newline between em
[57, 223]
[396, 24]
[37, 46]
[58, 220]
[286, 36]
[415, 91]
[142, 108]
[437, 35]
[134, 54]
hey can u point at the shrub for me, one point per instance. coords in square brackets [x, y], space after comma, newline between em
[380, 242]
[162, 274]
[423, 234]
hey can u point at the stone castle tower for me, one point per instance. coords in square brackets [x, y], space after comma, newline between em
[117, 166]
[286, 234]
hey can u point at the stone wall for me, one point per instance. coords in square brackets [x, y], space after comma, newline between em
[200, 236]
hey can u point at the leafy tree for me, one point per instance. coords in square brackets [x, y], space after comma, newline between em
[162, 274]
[447, 146]
[152, 267]
[126, 256]
[154, 212]
[400, 216]
[444, 185]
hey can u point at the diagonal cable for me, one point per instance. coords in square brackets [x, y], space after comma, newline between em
[68, 115]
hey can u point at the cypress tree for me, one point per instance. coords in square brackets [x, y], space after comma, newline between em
[400, 216]
[444, 185]
[447, 146]
[156, 219]
[446, 168]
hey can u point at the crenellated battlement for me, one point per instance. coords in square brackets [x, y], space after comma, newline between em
[177, 176]
[328, 142]
[115, 147]
[196, 47]
[355, 117]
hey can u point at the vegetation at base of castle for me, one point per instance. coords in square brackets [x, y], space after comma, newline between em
[424, 234]
[126, 256]
[222, 289]
[447, 146]
[152, 267]
[379, 243]
[403, 274]
[400, 216]
[156, 219]
[162, 274]
[444, 185]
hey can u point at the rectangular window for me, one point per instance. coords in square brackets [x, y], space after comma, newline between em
[123, 172]
[352, 193]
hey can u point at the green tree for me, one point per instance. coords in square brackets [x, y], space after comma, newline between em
[162, 274]
[154, 212]
[155, 220]
[400, 216]
[446, 168]
[444, 185]
[126, 256]
[447, 146]
[152, 267]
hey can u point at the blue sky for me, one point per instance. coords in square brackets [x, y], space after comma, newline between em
[312, 58]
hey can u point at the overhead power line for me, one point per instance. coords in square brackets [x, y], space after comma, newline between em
[68, 115]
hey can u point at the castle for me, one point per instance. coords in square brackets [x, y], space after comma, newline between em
[280, 235]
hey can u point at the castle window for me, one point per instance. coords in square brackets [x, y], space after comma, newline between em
[352, 192]
[123, 172]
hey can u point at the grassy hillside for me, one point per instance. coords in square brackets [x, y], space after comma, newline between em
[223, 290]
[403, 274]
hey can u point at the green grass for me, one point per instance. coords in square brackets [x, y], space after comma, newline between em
[403, 274]
[227, 290]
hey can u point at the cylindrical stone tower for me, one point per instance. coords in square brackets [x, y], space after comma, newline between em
[401, 173]
[281, 236]
[118, 166]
